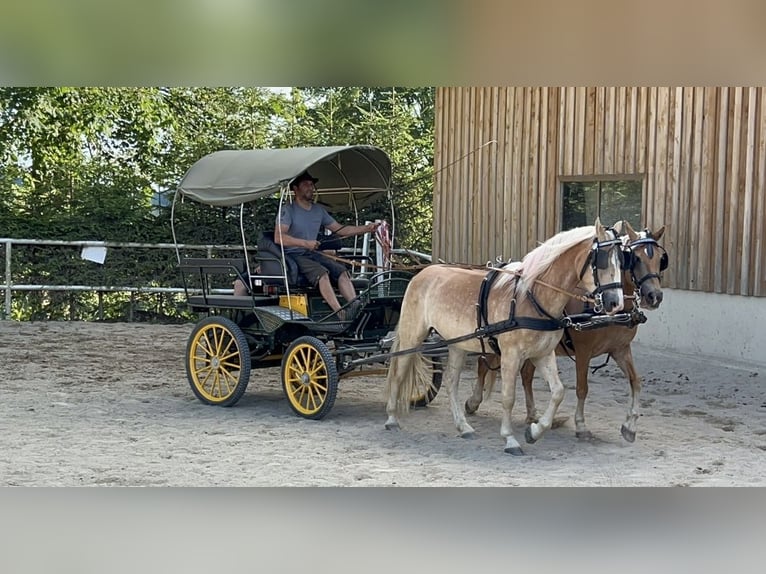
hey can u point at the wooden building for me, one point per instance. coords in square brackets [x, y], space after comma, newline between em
[697, 157]
[516, 165]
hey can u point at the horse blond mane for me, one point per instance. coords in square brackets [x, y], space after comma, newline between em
[537, 261]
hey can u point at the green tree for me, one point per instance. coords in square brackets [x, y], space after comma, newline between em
[94, 163]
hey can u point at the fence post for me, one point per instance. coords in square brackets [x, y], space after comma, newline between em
[7, 314]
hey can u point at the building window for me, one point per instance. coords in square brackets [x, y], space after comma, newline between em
[610, 200]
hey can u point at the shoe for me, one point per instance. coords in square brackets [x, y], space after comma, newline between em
[354, 308]
[349, 313]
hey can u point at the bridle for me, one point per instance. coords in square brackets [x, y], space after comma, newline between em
[598, 259]
[630, 258]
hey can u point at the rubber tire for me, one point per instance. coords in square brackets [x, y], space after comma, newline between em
[303, 352]
[422, 400]
[230, 335]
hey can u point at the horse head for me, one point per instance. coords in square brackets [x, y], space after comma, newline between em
[606, 262]
[645, 260]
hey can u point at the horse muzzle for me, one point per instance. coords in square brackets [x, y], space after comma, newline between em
[651, 299]
[609, 298]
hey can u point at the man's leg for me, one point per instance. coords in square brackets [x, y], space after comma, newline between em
[328, 293]
[239, 288]
[346, 287]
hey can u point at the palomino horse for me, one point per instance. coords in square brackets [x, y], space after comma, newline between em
[645, 259]
[524, 306]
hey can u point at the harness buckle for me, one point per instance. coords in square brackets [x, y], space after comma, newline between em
[598, 299]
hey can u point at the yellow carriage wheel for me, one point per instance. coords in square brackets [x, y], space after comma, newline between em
[309, 377]
[218, 361]
[421, 397]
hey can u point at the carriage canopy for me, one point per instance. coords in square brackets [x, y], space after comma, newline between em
[355, 174]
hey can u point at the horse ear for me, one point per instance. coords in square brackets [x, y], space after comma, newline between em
[632, 235]
[657, 234]
[600, 233]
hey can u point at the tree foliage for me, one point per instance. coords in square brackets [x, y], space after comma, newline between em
[100, 163]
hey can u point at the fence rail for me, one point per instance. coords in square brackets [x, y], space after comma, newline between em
[9, 286]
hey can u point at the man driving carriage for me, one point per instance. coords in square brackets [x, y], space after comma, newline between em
[297, 227]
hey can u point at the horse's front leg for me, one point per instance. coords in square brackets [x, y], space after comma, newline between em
[582, 364]
[624, 359]
[549, 369]
[509, 370]
[451, 379]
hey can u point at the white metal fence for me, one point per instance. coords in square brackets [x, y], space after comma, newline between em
[87, 247]
[8, 286]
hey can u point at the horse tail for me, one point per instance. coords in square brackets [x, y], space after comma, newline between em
[409, 376]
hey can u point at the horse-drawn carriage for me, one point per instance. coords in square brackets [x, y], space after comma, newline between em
[281, 320]
[403, 318]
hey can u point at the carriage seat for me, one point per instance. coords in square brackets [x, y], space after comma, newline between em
[269, 257]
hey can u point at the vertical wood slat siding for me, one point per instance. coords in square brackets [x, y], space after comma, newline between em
[701, 153]
[542, 156]
[672, 193]
[759, 277]
[704, 277]
[720, 189]
[552, 207]
[522, 167]
[651, 153]
[747, 203]
[733, 190]
[609, 129]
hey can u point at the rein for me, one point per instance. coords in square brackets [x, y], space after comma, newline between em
[370, 265]
[582, 298]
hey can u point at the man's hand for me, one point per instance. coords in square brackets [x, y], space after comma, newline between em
[312, 245]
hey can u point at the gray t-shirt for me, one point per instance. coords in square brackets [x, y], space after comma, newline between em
[303, 223]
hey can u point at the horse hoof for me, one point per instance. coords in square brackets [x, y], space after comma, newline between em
[514, 450]
[393, 426]
[628, 434]
[584, 435]
[469, 410]
[528, 436]
[468, 434]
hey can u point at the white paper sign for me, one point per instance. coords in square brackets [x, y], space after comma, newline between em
[96, 253]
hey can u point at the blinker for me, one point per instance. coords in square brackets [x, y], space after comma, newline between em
[602, 258]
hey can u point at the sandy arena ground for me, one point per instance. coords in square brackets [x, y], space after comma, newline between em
[109, 404]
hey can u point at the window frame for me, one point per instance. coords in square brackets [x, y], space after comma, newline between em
[600, 178]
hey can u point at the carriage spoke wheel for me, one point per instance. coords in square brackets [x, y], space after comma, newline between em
[421, 397]
[217, 361]
[309, 377]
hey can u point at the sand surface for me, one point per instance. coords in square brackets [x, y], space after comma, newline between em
[109, 404]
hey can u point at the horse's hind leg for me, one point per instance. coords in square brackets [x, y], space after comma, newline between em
[624, 359]
[549, 369]
[487, 367]
[527, 375]
[402, 372]
[451, 379]
[396, 371]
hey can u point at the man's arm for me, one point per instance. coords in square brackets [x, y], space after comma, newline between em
[351, 230]
[281, 236]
